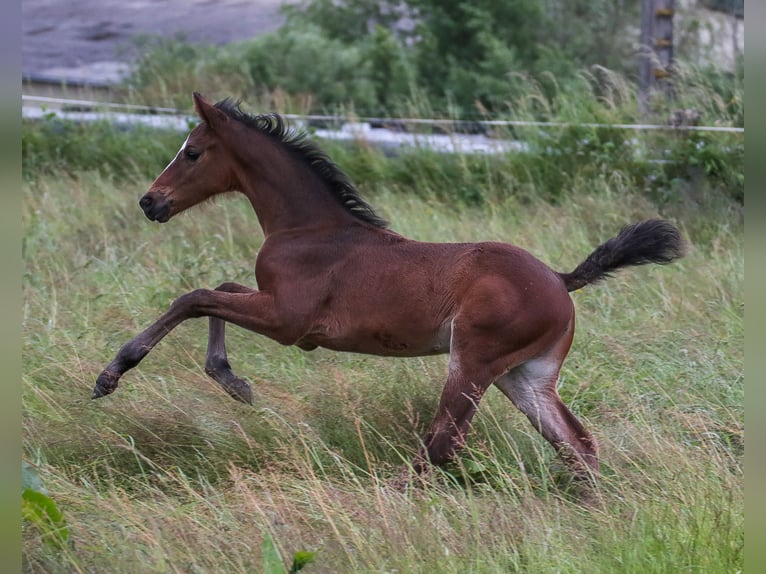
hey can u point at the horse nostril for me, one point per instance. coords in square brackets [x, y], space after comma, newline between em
[146, 202]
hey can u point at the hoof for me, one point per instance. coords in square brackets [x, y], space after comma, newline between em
[240, 390]
[234, 386]
[400, 483]
[99, 392]
[105, 385]
[586, 491]
[410, 476]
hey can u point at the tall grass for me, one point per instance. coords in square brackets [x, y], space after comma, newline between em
[170, 475]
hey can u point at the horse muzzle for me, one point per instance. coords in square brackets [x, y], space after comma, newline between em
[156, 207]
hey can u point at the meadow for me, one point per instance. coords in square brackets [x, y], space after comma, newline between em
[169, 474]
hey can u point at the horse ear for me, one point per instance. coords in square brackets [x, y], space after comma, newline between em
[207, 112]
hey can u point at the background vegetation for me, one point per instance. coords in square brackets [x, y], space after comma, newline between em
[454, 59]
[170, 475]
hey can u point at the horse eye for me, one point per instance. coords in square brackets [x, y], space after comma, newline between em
[191, 155]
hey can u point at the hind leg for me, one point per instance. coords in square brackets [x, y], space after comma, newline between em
[448, 430]
[532, 388]
[217, 361]
[470, 375]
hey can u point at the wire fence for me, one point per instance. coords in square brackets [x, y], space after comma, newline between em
[75, 105]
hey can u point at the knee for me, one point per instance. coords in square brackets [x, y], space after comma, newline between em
[189, 305]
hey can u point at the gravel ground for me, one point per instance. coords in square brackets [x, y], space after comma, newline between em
[91, 39]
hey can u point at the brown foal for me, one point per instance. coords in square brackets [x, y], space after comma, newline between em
[330, 274]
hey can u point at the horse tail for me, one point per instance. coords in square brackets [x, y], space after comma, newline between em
[650, 241]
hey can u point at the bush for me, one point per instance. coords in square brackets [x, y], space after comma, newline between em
[714, 160]
[553, 161]
[302, 61]
[52, 146]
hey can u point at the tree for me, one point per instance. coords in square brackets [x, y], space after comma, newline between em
[464, 54]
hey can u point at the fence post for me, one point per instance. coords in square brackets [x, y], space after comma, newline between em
[656, 50]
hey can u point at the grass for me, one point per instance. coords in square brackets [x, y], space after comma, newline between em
[170, 475]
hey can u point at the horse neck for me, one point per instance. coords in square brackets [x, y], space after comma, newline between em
[284, 192]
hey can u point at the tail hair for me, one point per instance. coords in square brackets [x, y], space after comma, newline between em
[650, 241]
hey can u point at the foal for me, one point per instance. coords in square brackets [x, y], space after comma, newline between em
[330, 274]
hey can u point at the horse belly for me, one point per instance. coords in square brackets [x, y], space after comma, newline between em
[404, 341]
[397, 308]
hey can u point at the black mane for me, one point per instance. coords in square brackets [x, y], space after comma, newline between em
[307, 151]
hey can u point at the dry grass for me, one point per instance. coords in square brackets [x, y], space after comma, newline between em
[170, 475]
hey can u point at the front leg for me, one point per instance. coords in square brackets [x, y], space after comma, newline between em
[252, 310]
[217, 361]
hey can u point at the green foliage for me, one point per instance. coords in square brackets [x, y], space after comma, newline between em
[559, 157]
[719, 97]
[699, 157]
[54, 146]
[169, 473]
[39, 509]
[391, 72]
[548, 168]
[479, 44]
[360, 57]
[272, 561]
[462, 55]
[295, 61]
[168, 70]
[455, 59]
[166, 59]
[301, 559]
[348, 21]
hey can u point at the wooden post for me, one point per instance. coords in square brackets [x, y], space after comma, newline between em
[664, 10]
[645, 54]
[656, 50]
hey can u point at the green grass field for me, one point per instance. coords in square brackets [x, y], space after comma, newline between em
[169, 474]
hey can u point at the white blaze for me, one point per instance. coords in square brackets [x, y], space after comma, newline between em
[180, 151]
